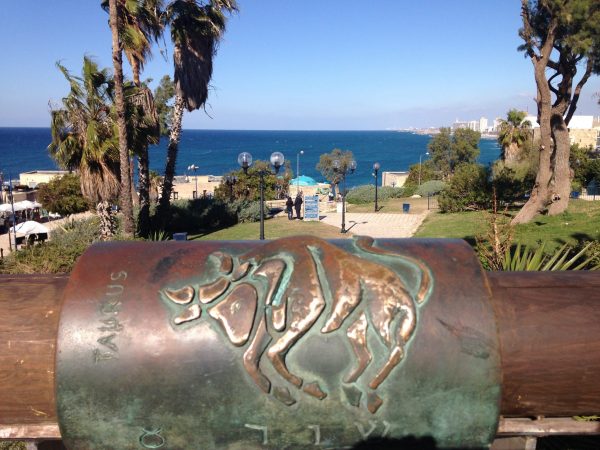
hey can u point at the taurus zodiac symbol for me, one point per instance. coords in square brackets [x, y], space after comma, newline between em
[292, 282]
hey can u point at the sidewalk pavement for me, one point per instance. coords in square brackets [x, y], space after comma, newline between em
[377, 225]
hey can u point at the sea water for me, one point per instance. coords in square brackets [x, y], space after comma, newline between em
[215, 151]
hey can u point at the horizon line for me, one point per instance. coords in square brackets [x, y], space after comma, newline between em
[262, 129]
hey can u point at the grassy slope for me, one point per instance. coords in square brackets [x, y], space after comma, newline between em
[580, 222]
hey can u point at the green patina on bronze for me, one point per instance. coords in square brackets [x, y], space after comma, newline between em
[290, 344]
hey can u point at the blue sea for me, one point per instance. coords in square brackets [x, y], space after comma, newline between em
[215, 151]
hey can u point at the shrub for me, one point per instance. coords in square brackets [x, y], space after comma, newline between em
[59, 254]
[194, 216]
[247, 211]
[512, 183]
[423, 172]
[431, 187]
[362, 194]
[391, 192]
[198, 215]
[467, 190]
[63, 195]
[366, 194]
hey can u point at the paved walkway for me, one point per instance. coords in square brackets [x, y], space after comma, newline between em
[377, 225]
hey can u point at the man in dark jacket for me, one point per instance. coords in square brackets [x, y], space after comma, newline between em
[289, 206]
[298, 205]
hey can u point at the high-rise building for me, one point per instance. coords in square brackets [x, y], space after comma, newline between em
[483, 124]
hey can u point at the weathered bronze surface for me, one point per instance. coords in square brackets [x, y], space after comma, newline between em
[295, 343]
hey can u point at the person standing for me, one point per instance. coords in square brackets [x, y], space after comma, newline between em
[289, 205]
[298, 205]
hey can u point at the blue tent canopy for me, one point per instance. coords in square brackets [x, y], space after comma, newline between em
[303, 180]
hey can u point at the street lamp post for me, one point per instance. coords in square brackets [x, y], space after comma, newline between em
[245, 161]
[14, 217]
[194, 168]
[376, 168]
[421, 156]
[301, 152]
[230, 181]
[344, 169]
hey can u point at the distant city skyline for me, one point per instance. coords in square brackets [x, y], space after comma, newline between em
[286, 65]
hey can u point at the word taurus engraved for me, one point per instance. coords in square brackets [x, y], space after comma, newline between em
[267, 299]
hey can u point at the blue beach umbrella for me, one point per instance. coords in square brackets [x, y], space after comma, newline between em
[303, 180]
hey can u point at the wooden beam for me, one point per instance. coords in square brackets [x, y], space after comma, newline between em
[546, 427]
[29, 313]
[548, 325]
[549, 330]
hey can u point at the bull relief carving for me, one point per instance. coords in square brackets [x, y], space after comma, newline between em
[267, 299]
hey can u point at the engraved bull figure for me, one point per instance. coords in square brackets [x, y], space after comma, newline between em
[271, 296]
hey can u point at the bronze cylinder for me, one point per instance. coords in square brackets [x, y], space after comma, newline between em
[294, 343]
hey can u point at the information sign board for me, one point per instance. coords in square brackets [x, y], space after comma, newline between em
[311, 207]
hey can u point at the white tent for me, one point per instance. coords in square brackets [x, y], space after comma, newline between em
[31, 227]
[28, 204]
[19, 206]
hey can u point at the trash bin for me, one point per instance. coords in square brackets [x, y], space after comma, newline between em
[180, 236]
[405, 207]
[575, 194]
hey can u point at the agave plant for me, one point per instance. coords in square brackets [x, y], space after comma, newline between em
[527, 258]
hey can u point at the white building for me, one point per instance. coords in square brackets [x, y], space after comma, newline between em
[576, 123]
[583, 130]
[483, 124]
[480, 125]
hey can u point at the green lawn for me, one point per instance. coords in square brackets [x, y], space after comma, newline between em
[274, 228]
[580, 222]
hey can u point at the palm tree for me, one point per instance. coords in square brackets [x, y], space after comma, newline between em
[117, 57]
[140, 22]
[514, 131]
[195, 31]
[84, 138]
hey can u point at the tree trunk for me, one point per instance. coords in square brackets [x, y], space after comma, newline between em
[108, 226]
[134, 196]
[562, 171]
[144, 176]
[135, 69]
[540, 194]
[165, 199]
[117, 57]
[511, 153]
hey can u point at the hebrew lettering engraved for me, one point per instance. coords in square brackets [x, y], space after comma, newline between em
[152, 438]
[264, 432]
[267, 299]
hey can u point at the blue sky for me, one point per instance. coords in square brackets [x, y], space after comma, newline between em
[286, 64]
